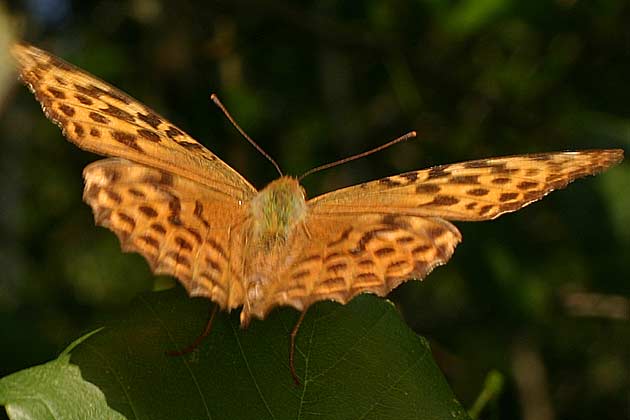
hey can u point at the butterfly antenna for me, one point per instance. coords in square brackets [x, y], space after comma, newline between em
[407, 136]
[218, 103]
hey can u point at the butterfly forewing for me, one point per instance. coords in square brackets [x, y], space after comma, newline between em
[476, 190]
[99, 118]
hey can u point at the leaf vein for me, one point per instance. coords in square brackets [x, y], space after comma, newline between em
[186, 364]
[251, 374]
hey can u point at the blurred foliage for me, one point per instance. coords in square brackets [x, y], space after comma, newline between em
[316, 81]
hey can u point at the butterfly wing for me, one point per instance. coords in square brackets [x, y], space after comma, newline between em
[99, 118]
[339, 256]
[182, 228]
[164, 195]
[469, 191]
[373, 236]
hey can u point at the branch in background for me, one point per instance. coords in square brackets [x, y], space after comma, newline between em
[530, 376]
[597, 305]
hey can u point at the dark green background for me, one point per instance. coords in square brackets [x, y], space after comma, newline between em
[316, 81]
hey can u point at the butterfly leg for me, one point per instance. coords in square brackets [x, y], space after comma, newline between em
[292, 347]
[198, 340]
[306, 231]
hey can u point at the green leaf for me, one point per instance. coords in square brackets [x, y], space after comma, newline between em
[54, 390]
[355, 361]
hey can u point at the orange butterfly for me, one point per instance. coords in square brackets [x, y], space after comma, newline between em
[194, 217]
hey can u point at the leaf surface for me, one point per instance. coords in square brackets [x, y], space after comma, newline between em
[358, 361]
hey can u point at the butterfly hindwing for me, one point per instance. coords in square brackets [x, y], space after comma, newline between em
[339, 257]
[182, 228]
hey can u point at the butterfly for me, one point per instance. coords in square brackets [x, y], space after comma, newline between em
[192, 216]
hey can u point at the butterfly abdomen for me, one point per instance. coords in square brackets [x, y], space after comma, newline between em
[276, 210]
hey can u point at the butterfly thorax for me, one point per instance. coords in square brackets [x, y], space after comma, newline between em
[275, 211]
